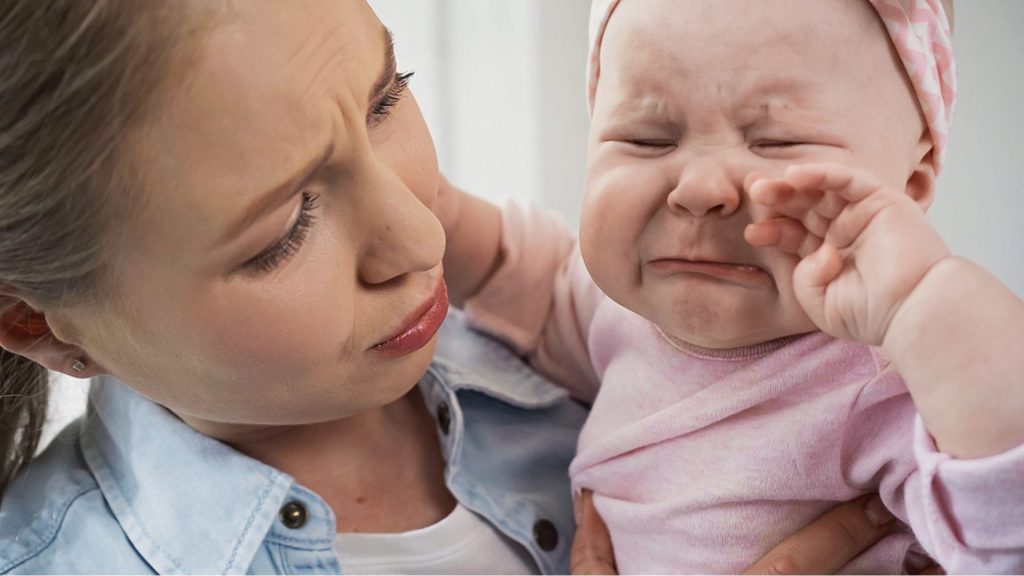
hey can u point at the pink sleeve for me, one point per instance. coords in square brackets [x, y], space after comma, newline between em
[541, 299]
[967, 514]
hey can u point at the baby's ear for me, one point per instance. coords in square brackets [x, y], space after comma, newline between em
[921, 181]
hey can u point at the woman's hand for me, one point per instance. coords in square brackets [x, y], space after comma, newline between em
[592, 549]
[830, 542]
[823, 547]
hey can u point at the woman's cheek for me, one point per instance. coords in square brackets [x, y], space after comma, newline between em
[290, 326]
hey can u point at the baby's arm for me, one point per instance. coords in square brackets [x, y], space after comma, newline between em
[873, 269]
[965, 513]
[472, 228]
[516, 273]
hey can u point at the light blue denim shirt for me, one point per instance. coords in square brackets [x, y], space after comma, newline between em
[129, 488]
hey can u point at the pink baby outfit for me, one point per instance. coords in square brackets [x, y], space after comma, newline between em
[702, 460]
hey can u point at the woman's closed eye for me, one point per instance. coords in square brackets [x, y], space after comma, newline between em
[283, 249]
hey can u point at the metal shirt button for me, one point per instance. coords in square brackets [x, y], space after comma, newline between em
[545, 534]
[444, 417]
[293, 515]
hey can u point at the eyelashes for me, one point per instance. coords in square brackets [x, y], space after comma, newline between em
[286, 247]
[380, 110]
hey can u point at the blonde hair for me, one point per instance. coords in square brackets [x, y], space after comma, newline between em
[74, 76]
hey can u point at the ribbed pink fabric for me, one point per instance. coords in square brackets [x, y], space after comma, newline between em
[919, 29]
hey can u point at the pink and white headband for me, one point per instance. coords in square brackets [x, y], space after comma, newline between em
[920, 31]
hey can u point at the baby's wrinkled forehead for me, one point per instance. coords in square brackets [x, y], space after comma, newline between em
[737, 26]
[718, 44]
[727, 46]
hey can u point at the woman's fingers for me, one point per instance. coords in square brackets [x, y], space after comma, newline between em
[592, 549]
[830, 542]
[823, 547]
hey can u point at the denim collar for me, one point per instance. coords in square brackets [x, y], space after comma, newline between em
[477, 362]
[168, 487]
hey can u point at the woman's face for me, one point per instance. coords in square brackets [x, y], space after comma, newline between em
[286, 228]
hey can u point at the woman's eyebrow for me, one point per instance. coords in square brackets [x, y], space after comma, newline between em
[279, 194]
[387, 74]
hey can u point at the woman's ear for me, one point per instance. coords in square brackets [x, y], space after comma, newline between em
[26, 332]
[921, 181]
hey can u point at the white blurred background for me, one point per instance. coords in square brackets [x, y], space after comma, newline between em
[501, 83]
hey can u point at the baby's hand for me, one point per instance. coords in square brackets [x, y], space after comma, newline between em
[863, 246]
[447, 205]
[472, 229]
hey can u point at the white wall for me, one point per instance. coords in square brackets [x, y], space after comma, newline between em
[505, 94]
[979, 207]
[501, 83]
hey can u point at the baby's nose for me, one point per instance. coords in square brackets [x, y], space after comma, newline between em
[705, 188]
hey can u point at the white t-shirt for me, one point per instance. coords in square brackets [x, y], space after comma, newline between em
[460, 543]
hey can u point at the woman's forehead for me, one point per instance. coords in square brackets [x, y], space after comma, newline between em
[270, 83]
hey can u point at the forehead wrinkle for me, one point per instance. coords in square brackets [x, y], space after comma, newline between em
[640, 36]
[312, 47]
[640, 104]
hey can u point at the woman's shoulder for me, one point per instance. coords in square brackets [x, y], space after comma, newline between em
[54, 518]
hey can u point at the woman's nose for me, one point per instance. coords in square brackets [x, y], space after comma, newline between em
[704, 187]
[401, 235]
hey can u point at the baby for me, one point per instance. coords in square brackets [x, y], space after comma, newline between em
[773, 324]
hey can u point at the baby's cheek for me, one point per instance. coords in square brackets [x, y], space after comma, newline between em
[610, 227]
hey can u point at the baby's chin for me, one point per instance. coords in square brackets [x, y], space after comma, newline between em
[716, 338]
[711, 313]
[706, 325]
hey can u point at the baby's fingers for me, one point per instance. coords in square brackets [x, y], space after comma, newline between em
[850, 184]
[780, 194]
[813, 275]
[815, 207]
[849, 226]
[785, 234]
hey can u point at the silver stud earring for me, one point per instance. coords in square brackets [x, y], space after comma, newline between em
[78, 365]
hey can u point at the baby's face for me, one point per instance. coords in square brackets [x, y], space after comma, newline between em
[694, 97]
